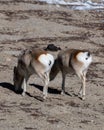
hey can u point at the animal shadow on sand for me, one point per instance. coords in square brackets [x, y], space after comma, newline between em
[10, 87]
[50, 90]
[40, 98]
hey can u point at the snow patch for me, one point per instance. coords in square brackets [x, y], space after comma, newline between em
[79, 5]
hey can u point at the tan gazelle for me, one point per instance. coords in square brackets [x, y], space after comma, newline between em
[72, 60]
[32, 61]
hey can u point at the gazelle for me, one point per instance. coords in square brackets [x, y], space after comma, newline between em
[32, 61]
[72, 60]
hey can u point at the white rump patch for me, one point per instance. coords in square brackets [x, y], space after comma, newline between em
[47, 60]
[84, 58]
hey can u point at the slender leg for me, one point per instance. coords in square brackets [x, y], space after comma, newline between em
[63, 83]
[82, 89]
[24, 87]
[46, 82]
[45, 78]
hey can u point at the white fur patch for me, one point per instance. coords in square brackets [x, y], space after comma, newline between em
[84, 58]
[47, 60]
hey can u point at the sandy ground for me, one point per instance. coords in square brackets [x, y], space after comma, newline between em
[24, 24]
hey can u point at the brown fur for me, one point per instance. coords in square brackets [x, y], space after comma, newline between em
[29, 64]
[37, 52]
[67, 62]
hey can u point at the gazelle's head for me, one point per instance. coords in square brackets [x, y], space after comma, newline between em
[17, 79]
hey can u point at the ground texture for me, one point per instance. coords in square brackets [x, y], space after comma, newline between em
[28, 23]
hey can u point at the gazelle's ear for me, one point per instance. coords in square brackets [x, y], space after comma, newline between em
[15, 69]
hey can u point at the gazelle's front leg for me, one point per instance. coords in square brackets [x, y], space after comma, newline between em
[24, 87]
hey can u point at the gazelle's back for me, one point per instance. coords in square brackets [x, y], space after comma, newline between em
[41, 60]
[35, 60]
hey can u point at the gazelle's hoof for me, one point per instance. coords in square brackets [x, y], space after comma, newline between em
[23, 94]
[44, 97]
[83, 97]
[62, 93]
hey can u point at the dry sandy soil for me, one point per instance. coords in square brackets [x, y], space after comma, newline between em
[27, 23]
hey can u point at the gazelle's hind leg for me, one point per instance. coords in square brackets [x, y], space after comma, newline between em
[63, 83]
[24, 84]
[45, 78]
[81, 93]
[46, 81]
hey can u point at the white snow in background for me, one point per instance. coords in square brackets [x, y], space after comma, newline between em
[79, 5]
